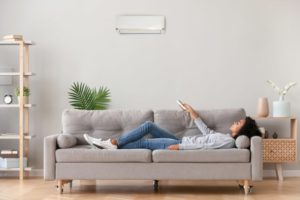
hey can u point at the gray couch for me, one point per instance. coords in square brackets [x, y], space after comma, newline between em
[84, 162]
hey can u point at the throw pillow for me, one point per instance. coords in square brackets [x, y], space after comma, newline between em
[66, 141]
[242, 142]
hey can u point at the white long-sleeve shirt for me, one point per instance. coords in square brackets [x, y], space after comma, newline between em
[209, 140]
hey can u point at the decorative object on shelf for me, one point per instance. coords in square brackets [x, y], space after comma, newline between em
[275, 135]
[281, 108]
[263, 132]
[26, 93]
[82, 97]
[13, 38]
[8, 99]
[9, 152]
[267, 134]
[263, 107]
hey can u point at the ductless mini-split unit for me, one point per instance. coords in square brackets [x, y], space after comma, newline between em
[140, 24]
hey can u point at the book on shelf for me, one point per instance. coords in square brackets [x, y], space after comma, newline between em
[9, 156]
[11, 135]
[9, 152]
[6, 134]
[12, 37]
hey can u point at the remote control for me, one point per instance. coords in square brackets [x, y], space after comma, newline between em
[180, 104]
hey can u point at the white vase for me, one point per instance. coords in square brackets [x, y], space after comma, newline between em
[281, 109]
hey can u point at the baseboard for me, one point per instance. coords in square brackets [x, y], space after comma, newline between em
[266, 173]
[37, 173]
[286, 173]
[32, 173]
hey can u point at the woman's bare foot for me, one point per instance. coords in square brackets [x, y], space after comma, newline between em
[173, 147]
[114, 141]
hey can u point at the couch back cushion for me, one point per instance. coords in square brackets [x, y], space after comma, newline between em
[180, 124]
[102, 123]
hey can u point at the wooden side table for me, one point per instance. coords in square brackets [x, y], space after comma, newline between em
[279, 151]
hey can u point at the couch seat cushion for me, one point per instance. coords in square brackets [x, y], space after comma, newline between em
[87, 154]
[202, 156]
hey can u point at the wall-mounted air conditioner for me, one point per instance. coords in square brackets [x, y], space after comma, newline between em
[135, 24]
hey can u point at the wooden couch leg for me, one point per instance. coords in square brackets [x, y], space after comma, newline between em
[60, 185]
[241, 185]
[155, 185]
[246, 187]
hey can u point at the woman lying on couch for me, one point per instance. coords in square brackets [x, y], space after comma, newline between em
[162, 139]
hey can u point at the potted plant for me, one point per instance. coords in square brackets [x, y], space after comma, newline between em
[83, 97]
[281, 108]
[26, 93]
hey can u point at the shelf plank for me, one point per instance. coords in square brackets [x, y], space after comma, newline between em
[268, 118]
[9, 105]
[12, 136]
[29, 105]
[16, 74]
[278, 139]
[27, 42]
[16, 105]
[15, 169]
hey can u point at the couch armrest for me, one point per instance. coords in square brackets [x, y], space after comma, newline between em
[256, 158]
[50, 146]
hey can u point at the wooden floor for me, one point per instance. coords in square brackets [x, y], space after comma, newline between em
[38, 189]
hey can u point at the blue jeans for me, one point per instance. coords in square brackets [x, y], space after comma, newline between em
[161, 138]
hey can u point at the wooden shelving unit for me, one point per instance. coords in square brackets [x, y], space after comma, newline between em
[23, 133]
[280, 150]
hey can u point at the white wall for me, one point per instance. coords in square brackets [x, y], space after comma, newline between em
[214, 54]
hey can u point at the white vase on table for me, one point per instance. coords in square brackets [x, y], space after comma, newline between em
[281, 108]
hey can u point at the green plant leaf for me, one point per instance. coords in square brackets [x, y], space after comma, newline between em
[82, 97]
[102, 98]
[26, 91]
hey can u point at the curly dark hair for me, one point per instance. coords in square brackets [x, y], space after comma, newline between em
[249, 129]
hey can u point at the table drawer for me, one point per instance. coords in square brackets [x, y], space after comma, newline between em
[279, 150]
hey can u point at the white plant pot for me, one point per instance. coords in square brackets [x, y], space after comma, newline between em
[281, 109]
[25, 99]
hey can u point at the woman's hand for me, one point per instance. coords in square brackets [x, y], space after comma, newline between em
[173, 147]
[190, 110]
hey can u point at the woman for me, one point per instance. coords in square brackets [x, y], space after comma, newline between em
[162, 139]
